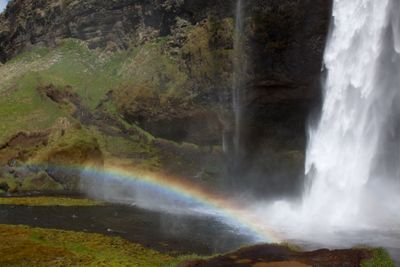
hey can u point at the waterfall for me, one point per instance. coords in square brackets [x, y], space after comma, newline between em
[354, 148]
[239, 72]
[353, 153]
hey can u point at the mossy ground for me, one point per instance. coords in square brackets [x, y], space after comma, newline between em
[90, 74]
[381, 258]
[49, 201]
[21, 105]
[138, 148]
[25, 246]
[39, 182]
[74, 147]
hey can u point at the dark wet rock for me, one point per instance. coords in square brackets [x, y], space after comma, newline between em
[286, 40]
[4, 187]
[274, 256]
[172, 118]
[200, 164]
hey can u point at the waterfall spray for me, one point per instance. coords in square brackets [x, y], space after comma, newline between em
[352, 194]
[239, 71]
[343, 149]
[353, 154]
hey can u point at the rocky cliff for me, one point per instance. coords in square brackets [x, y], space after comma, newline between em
[102, 23]
[174, 73]
[286, 45]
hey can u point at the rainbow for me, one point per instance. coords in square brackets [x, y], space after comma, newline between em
[230, 211]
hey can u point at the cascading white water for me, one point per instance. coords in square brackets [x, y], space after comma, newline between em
[239, 68]
[352, 195]
[342, 149]
[353, 155]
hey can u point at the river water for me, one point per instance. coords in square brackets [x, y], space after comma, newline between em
[165, 232]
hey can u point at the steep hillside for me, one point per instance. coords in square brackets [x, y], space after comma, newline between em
[149, 82]
[50, 116]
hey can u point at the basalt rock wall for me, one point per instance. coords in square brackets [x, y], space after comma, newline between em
[101, 23]
[286, 41]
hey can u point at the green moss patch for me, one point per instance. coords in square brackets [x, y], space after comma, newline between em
[22, 108]
[24, 246]
[138, 147]
[76, 146]
[8, 185]
[209, 50]
[90, 74]
[49, 201]
[380, 259]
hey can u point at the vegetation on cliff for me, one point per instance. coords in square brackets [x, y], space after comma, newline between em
[91, 105]
[380, 258]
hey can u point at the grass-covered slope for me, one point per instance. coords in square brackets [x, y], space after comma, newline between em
[49, 201]
[73, 105]
[24, 246]
[23, 108]
[381, 258]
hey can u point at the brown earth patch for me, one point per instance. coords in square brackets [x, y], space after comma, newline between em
[280, 256]
[281, 264]
[243, 261]
[22, 146]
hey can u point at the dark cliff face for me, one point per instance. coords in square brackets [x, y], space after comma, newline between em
[285, 44]
[286, 41]
[102, 23]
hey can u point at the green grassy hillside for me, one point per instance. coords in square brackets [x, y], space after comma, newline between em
[53, 100]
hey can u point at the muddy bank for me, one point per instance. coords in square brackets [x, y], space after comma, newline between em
[280, 256]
